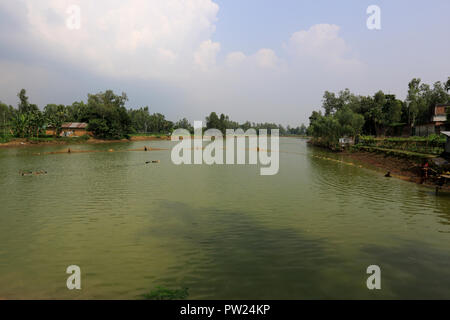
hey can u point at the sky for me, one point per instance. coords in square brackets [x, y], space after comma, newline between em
[257, 60]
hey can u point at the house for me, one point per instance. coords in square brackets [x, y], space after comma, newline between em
[447, 145]
[346, 141]
[70, 129]
[437, 122]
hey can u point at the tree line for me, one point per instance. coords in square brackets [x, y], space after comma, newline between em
[108, 118]
[348, 114]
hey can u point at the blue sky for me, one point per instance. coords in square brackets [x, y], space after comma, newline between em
[256, 60]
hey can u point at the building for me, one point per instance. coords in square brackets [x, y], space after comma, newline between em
[447, 145]
[346, 141]
[437, 123]
[70, 129]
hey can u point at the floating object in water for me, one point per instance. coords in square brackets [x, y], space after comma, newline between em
[40, 172]
[26, 173]
[110, 150]
[68, 150]
[153, 161]
[30, 172]
[388, 174]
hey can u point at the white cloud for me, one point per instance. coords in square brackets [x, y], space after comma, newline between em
[234, 58]
[123, 38]
[168, 46]
[205, 56]
[320, 43]
[167, 56]
[266, 58]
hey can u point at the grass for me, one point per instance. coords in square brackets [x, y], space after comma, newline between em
[398, 153]
[431, 138]
[433, 144]
[5, 137]
[162, 293]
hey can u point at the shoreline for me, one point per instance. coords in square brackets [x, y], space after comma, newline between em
[400, 168]
[24, 142]
[406, 169]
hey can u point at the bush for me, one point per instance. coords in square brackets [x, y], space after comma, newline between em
[433, 144]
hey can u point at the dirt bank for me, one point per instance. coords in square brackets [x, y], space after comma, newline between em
[400, 168]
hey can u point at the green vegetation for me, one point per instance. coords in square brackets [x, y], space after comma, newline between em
[433, 144]
[347, 114]
[223, 122]
[5, 138]
[107, 118]
[162, 293]
[417, 157]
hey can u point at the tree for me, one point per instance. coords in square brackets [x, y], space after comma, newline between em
[212, 121]
[55, 115]
[184, 124]
[140, 119]
[24, 105]
[7, 114]
[108, 117]
[20, 124]
[77, 112]
[413, 100]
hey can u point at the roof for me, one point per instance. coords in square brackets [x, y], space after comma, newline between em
[447, 133]
[74, 125]
[441, 118]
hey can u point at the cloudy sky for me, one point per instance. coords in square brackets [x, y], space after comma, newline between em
[258, 60]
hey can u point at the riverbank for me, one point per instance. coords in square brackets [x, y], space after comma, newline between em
[400, 168]
[23, 142]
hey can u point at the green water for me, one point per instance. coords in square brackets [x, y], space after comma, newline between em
[222, 231]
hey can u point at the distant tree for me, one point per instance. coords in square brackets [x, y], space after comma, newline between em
[212, 121]
[7, 114]
[108, 117]
[24, 105]
[55, 116]
[302, 130]
[20, 125]
[184, 124]
[77, 112]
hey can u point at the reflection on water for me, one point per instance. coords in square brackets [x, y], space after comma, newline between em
[223, 231]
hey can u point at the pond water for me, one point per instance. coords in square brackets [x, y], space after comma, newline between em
[223, 231]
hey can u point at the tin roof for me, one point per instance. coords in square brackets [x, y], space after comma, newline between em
[74, 125]
[447, 133]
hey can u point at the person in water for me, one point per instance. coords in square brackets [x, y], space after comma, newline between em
[388, 174]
